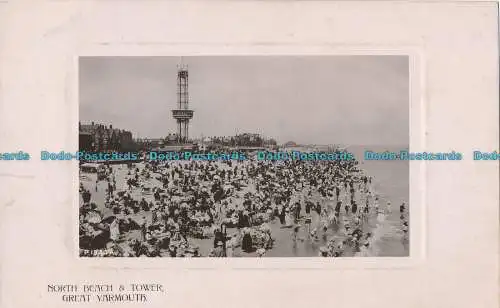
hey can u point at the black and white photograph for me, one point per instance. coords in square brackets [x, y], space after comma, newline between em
[244, 156]
[249, 154]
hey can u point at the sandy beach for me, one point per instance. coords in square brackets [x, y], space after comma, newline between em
[389, 182]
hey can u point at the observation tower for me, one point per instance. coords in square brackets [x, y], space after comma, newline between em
[182, 114]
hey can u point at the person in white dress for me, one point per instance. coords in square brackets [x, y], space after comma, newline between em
[261, 252]
[114, 230]
[389, 207]
[381, 214]
[288, 218]
[364, 251]
[230, 244]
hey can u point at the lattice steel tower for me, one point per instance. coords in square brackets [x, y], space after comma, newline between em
[182, 114]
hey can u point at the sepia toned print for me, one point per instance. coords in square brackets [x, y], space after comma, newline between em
[243, 156]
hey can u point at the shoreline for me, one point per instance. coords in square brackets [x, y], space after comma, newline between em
[391, 182]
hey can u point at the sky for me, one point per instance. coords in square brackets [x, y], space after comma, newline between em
[359, 100]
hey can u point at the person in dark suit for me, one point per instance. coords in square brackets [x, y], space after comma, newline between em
[219, 251]
[338, 206]
[218, 237]
[247, 245]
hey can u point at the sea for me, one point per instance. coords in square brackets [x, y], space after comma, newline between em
[391, 180]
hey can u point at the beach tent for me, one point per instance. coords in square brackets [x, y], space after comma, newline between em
[90, 167]
[93, 217]
[108, 219]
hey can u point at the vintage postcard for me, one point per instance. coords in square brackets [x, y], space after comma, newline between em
[244, 156]
[249, 154]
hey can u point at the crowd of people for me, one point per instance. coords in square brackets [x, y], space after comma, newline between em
[169, 209]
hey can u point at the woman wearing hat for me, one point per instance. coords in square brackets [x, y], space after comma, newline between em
[282, 214]
[295, 234]
[230, 244]
[114, 230]
[86, 196]
[366, 208]
[317, 208]
[172, 251]
[297, 208]
[376, 204]
[218, 251]
[346, 208]
[247, 243]
[288, 217]
[354, 207]
[261, 252]
[323, 251]
[218, 237]
[402, 207]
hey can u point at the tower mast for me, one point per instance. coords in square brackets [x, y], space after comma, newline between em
[182, 114]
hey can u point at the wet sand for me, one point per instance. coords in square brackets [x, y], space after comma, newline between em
[392, 180]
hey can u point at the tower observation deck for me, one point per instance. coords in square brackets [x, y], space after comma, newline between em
[182, 114]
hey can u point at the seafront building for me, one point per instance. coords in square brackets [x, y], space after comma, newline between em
[101, 138]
